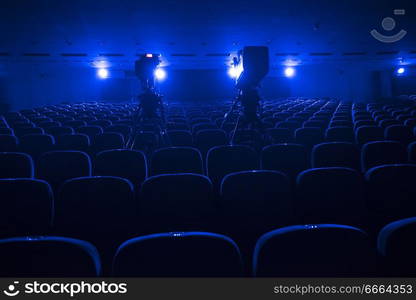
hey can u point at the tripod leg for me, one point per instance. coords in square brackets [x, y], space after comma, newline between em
[235, 130]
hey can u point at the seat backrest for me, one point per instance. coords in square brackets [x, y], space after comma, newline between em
[107, 141]
[26, 207]
[391, 191]
[16, 165]
[91, 130]
[308, 136]
[336, 154]
[399, 133]
[380, 153]
[287, 158]
[176, 160]
[180, 196]
[208, 138]
[223, 160]
[365, 134]
[280, 135]
[8, 143]
[77, 142]
[340, 134]
[256, 193]
[95, 206]
[129, 164]
[36, 144]
[180, 138]
[396, 245]
[179, 254]
[58, 166]
[329, 195]
[411, 152]
[56, 131]
[48, 257]
[323, 250]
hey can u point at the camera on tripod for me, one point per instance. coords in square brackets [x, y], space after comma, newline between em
[254, 63]
[150, 104]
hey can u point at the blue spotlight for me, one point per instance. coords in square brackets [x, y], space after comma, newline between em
[160, 74]
[102, 73]
[235, 71]
[290, 72]
[400, 71]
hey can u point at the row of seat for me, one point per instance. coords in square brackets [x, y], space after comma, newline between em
[57, 166]
[300, 250]
[87, 206]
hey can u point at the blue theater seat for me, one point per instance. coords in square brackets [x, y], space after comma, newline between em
[56, 167]
[95, 207]
[380, 153]
[176, 160]
[26, 207]
[287, 158]
[223, 160]
[396, 245]
[178, 254]
[76, 142]
[392, 191]
[48, 256]
[324, 250]
[336, 154]
[8, 143]
[329, 195]
[129, 164]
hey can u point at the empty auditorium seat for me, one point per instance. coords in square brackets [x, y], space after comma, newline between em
[367, 134]
[58, 166]
[74, 124]
[176, 160]
[411, 152]
[175, 199]
[280, 135]
[178, 254]
[77, 142]
[180, 138]
[381, 153]
[391, 191]
[324, 250]
[396, 245]
[329, 195]
[91, 131]
[28, 130]
[56, 131]
[16, 165]
[399, 133]
[145, 141]
[95, 208]
[129, 164]
[308, 136]
[287, 158]
[209, 138]
[340, 134]
[223, 160]
[48, 256]
[8, 143]
[122, 129]
[6, 131]
[257, 194]
[36, 144]
[26, 207]
[336, 154]
[107, 141]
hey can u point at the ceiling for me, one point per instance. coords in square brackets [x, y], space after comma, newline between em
[203, 34]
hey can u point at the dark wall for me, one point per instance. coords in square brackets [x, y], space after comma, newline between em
[35, 84]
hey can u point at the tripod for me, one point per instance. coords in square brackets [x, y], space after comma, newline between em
[248, 120]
